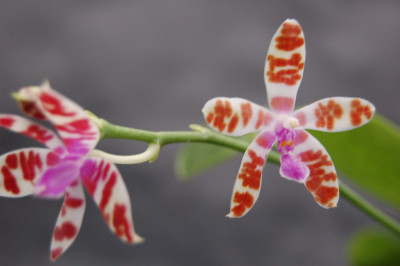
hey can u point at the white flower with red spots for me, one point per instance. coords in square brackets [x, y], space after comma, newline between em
[62, 167]
[303, 158]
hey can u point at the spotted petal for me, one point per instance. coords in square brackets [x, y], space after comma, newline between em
[322, 181]
[335, 114]
[248, 181]
[69, 220]
[31, 129]
[236, 116]
[104, 182]
[21, 169]
[284, 66]
[78, 132]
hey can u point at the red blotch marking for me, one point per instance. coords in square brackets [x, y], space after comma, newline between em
[40, 134]
[358, 111]
[81, 126]
[282, 103]
[28, 164]
[54, 105]
[266, 140]
[289, 39]
[107, 191]
[233, 123]
[52, 159]
[9, 181]
[300, 137]
[326, 114]
[30, 108]
[73, 202]
[89, 181]
[66, 230]
[12, 161]
[315, 162]
[210, 118]
[6, 122]
[223, 111]
[248, 173]
[289, 69]
[245, 201]
[121, 223]
[301, 117]
[263, 119]
[247, 113]
[55, 253]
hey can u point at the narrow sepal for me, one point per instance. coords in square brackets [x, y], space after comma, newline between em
[236, 116]
[21, 170]
[31, 129]
[284, 66]
[69, 220]
[322, 182]
[78, 132]
[104, 182]
[335, 114]
[248, 181]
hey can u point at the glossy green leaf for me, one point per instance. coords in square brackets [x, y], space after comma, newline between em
[193, 158]
[368, 156]
[373, 247]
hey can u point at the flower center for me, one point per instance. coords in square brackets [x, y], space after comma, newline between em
[290, 122]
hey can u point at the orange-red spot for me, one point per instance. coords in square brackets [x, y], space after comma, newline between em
[121, 223]
[263, 119]
[249, 174]
[222, 111]
[326, 114]
[247, 113]
[66, 230]
[288, 69]
[28, 164]
[233, 123]
[107, 191]
[289, 38]
[316, 161]
[358, 111]
[282, 103]
[245, 201]
[300, 136]
[301, 117]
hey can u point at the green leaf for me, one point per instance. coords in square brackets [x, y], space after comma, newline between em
[373, 247]
[368, 156]
[193, 158]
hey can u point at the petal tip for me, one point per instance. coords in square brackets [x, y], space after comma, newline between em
[138, 239]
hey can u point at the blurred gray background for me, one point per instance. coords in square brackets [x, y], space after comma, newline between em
[152, 65]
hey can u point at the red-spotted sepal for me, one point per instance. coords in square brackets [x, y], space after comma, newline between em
[21, 170]
[69, 220]
[31, 129]
[284, 66]
[248, 181]
[104, 182]
[78, 132]
[236, 116]
[322, 181]
[335, 114]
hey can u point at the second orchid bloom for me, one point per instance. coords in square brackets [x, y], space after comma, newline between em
[62, 167]
[303, 158]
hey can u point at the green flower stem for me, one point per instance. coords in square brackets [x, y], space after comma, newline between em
[203, 134]
[369, 209]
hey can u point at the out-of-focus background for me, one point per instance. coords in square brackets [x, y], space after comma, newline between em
[152, 65]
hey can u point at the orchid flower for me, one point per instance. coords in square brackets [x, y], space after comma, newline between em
[303, 158]
[62, 167]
